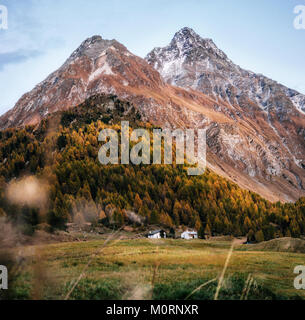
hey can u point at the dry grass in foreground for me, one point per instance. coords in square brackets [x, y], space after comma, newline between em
[157, 269]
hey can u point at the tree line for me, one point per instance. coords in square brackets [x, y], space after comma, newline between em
[63, 150]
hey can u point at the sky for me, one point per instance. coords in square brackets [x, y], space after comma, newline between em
[257, 35]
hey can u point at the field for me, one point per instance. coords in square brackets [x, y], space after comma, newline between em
[155, 269]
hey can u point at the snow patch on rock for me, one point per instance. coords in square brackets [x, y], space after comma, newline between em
[103, 70]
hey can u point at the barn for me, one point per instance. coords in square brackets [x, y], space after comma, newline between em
[189, 235]
[156, 234]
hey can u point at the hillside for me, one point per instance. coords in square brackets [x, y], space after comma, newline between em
[265, 137]
[255, 127]
[279, 245]
[50, 175]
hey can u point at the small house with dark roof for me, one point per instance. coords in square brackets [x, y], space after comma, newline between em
[156, 234]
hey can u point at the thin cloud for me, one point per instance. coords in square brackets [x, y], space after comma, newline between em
[17, 57]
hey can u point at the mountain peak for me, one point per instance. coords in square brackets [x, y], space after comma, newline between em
[97, 66]
[92, 40]
[185, 32]
[93, 46]
[188, 42]
[191, 61]
[186, 35]
[187, 48]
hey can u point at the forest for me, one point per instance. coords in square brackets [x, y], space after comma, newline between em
[62, 154]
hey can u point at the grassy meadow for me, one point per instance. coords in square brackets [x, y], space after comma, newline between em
[154, 269]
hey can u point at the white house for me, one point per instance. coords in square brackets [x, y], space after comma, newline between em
[189, 235]
[157, 234]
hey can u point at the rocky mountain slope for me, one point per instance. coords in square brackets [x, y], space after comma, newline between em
[255, 127]
[101, 66]
[273, 112]
[197, 63]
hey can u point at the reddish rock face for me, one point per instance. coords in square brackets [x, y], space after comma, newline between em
[97, 66]
[255, 126]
